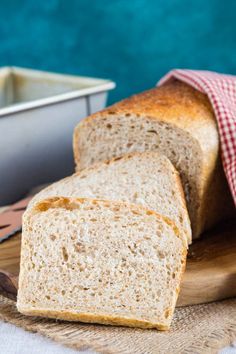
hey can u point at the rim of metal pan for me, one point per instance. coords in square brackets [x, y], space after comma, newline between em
[97, 86]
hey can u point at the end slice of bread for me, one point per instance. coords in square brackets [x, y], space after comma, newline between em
[145, 178]
[100, 261]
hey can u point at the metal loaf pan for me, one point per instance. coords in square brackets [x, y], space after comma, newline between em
[38, 112]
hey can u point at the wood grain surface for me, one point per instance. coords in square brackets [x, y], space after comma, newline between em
[210, 273]
[211, 267]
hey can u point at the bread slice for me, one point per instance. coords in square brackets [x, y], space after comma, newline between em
[177, 121]
[100, 261]
[143, 178]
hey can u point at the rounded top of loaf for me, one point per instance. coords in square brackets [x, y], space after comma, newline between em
[175, 103]
[170, 102]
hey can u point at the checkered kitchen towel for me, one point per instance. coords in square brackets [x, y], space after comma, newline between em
[221, 91]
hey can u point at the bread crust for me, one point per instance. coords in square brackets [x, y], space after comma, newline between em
[74, 203]
[93, 318]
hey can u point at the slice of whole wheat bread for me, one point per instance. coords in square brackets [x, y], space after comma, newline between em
[141, 178]
[100, 261]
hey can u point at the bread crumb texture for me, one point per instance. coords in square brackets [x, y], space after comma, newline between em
[100, 261]
[146, 178]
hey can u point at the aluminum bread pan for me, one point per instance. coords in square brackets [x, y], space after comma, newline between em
[38, 112]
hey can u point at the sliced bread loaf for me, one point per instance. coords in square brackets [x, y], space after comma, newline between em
[100, 261]
[177, 121]
[142, 178]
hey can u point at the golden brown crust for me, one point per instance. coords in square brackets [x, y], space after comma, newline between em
[170, 103]
[74, 203]
[94, 318]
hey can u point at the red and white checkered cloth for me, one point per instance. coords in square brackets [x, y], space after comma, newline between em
[221, 91]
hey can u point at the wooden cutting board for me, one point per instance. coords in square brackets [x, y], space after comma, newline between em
[211, 266]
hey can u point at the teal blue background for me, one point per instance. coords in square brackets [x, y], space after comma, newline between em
[132, 42]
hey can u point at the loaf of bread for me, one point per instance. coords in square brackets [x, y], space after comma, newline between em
[100, 261]
[142, 178]
[177, 121]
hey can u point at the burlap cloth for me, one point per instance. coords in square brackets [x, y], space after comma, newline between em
[195, 329]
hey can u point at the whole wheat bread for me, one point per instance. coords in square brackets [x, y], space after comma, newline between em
[177, 121]
[100, 261]
[142, 178]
